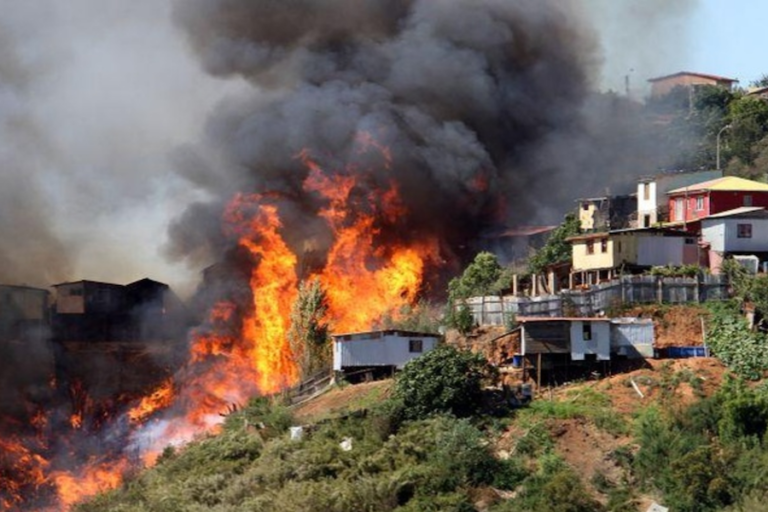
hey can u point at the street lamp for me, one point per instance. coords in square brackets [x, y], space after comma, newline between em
[718, 144]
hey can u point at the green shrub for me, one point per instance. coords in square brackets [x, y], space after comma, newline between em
[444, 380]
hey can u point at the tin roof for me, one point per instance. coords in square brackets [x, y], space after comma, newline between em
[743, 211]
[731, 183]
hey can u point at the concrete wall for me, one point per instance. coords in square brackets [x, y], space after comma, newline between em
[660, 250]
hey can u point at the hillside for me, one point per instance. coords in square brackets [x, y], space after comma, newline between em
[684, 433]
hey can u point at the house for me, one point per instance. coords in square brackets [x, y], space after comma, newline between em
[559, 346]
[662, 85]
[652, 193]
[599, 256]
[385, 350]
[758, 92]
[689, 204]
[91, 311]
[606, 213]
[23, 313]
[574, 338]
[741, 231]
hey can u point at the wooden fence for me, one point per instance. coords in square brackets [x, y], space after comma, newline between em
[600, 299]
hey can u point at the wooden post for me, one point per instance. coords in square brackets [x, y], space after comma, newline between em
[515, 284]
[524, 358]
[538, 373]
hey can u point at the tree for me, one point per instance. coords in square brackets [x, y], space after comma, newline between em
[484, 276]
[308, 335]
[444, 380]
[760, 82]
[557, 249]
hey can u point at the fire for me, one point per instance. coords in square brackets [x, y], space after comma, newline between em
[160, 398]
[242, 348]
[96, 477]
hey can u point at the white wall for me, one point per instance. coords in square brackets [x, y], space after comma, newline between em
[660, 250]
[646, 206]
[713, 233]
[722, 235]
[390, 350]
[599, 344]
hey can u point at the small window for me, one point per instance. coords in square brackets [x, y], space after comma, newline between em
[646, 221]
[604, 245]
[646, 191]
[585, 206]
[618, 246]
[416, 346]
[744, 230]
[590, 247]
[700, 203]
[747, 200]
[586, 331]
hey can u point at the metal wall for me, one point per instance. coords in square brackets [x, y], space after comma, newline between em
[632, 337]
[388, 350]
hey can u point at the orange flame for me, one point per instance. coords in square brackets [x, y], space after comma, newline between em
[160, 398]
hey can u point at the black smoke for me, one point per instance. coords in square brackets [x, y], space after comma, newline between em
[489, 109]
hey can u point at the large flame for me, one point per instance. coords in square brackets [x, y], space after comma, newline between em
[242, 349]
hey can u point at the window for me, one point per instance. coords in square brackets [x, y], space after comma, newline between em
[415, 346]
[590, 247]
[646, 191]
[585, 206]
[747, 200]
[604, 245]
[586, 331]
[744, 230]
[700, 203]
[646, 221]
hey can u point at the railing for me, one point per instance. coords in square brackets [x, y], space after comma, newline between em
[600, 299]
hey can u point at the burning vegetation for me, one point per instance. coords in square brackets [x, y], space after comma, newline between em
[371, 153]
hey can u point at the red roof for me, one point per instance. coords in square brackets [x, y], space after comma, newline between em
[702, 75]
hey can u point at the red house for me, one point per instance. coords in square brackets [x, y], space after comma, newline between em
[692, 203]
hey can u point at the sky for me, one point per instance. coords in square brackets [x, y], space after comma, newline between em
[728, 39]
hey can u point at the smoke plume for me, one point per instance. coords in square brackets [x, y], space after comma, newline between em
[488, 109]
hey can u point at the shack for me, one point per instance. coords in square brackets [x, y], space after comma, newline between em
[380, 352]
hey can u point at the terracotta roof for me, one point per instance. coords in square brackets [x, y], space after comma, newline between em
[702, 75]
[726, 183]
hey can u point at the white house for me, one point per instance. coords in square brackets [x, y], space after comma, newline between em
[742, 230]
[652, 190]
[389, 349]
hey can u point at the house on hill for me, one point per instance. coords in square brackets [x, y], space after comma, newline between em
[92, 311]
[600, 256]
[379, 351]
[23, 313]
[662, 85]
[739, 232]
[607, 213]
[652, 207]
[689, 204]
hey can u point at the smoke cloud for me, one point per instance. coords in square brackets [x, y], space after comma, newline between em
[488, 108]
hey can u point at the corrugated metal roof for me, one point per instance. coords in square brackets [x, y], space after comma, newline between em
[743, 211]
[725, 183]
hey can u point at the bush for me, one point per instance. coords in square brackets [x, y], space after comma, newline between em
[444, 380]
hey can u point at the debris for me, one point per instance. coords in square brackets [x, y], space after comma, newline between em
[346, 444]
[655, 507]
[634, 385]
[297, 433]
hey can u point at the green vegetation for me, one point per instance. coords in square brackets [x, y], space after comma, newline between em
[444, 380]
[731, 340]
[484, 276]
[557, 249]
[308, 334]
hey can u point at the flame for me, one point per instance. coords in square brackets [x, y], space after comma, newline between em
[365, 282]
[96, 477]
[160, 398]
[242, 349]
